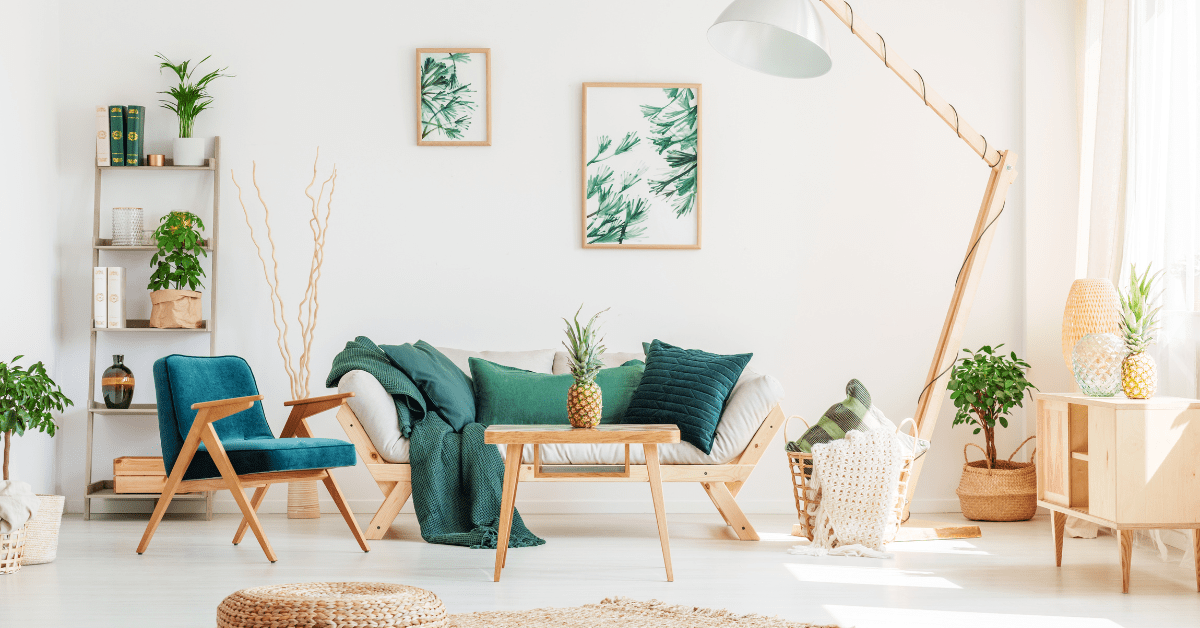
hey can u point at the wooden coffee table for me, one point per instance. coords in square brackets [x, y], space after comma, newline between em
[517, 436]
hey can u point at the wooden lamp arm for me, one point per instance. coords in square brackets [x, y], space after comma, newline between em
[915, 81]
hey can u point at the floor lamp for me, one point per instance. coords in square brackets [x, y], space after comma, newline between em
[787, 38]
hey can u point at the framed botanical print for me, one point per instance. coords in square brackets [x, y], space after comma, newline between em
[454, 97]
[642, 163]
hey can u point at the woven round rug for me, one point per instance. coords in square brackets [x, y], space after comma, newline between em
[622, 613]
[332, 605]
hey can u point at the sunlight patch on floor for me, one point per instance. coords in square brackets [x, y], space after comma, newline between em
[778, 536]
[883, 576]
[884, 617]
[939, 546]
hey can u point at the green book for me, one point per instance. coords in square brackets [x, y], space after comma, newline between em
[116, 134]
[135, 123]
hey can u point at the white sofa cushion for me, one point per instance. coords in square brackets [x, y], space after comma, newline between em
[610, 360]
[376, 411]
[539, 361]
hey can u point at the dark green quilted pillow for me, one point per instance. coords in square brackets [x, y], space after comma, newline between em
[687, 388]
[840, 418]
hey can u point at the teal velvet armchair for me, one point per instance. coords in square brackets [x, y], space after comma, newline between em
[215, 436]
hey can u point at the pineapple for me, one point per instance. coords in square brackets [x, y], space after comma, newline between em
[584, 401]
[1139, 375]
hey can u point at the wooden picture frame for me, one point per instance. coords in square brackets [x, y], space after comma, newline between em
[639, 191]
[471, 136]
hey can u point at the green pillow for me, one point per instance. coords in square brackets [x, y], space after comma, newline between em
[840, 418]
[510, 396]
[446, 388]
[687, 388]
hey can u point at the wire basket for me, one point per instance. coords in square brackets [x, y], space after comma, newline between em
[12, 550]
[808, 498]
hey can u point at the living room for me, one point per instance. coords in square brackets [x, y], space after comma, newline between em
[686, 221]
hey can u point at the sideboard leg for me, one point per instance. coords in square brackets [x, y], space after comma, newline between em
[1126, 545]
[1196, 555]
[1059, 526]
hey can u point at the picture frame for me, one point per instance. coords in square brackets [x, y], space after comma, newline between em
[452, 108]
[642, 166]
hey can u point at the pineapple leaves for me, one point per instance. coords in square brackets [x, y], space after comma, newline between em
[1138, 320]
[584, 347]
[985, 385]
[188, 99]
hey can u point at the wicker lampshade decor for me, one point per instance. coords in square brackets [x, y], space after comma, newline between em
[1092, 308]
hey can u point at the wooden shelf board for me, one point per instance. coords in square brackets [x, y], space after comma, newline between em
[97, 407]
[208, 165]
[105, 244]
[107, 493]
[143, 325]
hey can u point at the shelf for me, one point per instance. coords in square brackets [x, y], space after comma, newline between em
[105, 244]
[143, 325]
[97, 407]
[1080, 455]
[210, 164]
[107, 493]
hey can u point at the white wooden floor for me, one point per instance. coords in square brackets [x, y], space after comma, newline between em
[1007, 578]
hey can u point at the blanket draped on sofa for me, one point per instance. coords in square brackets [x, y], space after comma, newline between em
[456, 477]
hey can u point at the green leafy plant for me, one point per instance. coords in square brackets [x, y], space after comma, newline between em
[27, 396]
[188, 98]
[177, 262]
[445, 102]
[676, 137]
[985, 386]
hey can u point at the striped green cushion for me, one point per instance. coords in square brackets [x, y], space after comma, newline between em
[840, 418]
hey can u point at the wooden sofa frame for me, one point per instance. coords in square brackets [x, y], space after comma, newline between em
[721, 482]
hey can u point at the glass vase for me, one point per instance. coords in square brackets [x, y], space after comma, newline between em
[127, 226]
[1096, 359]
[117, 384]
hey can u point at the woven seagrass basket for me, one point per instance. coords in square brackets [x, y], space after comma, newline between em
[12, 550]
[808, 498]
[41, 542]
[1006, 492]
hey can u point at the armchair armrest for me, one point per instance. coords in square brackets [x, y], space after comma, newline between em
[211, 411]
[304, 408]
[336, 396]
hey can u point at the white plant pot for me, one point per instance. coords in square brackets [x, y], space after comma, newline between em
[189, 151]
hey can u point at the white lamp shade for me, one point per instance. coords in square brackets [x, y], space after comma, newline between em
[778, 37]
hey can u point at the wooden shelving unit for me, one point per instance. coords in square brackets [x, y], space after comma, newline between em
[103, 489]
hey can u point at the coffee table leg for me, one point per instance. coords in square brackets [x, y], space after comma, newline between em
[512, 469]
[660, 511]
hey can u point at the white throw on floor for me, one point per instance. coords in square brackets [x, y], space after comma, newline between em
[18, 505]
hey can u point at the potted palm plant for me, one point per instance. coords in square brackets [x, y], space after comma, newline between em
[27, 399]
[177, 272]
[985, 386]
[188, 99]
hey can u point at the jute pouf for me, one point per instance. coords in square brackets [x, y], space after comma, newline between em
[332, 605]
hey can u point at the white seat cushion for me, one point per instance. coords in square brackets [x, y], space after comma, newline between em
[376, 411]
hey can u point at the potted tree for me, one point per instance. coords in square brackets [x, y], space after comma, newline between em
[177, 272]
[188, 99]
[27, 398]
[985, 386]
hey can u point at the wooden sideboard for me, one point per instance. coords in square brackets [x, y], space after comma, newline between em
[1126, 464]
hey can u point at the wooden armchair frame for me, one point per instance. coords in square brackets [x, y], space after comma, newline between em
[202, 431]
[721, 482]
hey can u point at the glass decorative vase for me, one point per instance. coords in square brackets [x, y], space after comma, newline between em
[127, 226]
[117, 384]
[1096, 359]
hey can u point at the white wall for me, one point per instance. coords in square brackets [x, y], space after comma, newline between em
[836, 210]
[29, 305]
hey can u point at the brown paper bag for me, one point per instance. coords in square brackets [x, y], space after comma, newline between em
[175, 309]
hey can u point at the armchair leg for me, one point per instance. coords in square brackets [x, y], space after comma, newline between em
[186, 453]
[217, 451]
[396, 497]
[339, 499]
[256, 501]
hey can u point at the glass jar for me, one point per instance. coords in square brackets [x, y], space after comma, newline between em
[1096, 359]
[127, 226]
[117, 384]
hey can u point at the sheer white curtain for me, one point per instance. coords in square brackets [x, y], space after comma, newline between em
[1162, 192]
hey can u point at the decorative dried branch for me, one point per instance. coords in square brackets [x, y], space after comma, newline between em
[299, 371]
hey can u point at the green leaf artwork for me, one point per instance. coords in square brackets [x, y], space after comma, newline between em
[641, 165]
[447, 102]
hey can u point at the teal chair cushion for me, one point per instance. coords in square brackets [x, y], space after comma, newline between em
[180, 381]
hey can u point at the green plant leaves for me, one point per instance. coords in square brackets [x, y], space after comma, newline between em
[27, 397]
[188, 99]
[176, 263]
[985, 386]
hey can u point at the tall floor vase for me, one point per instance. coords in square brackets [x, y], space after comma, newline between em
[302, 500]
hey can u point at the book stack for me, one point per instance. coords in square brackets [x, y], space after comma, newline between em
[123, 127]
[108, 297]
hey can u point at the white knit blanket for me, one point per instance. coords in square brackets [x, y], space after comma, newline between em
[858, 477]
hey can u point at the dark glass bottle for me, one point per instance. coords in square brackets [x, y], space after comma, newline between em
[117, 384]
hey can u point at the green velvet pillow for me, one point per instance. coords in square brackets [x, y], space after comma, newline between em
[510, 396]
[840, 418]
[687, 388]
[446, 388]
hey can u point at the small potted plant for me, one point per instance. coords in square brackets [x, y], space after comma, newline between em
[985, 386]
[188, 99]
[27, 398]
[177, 272]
